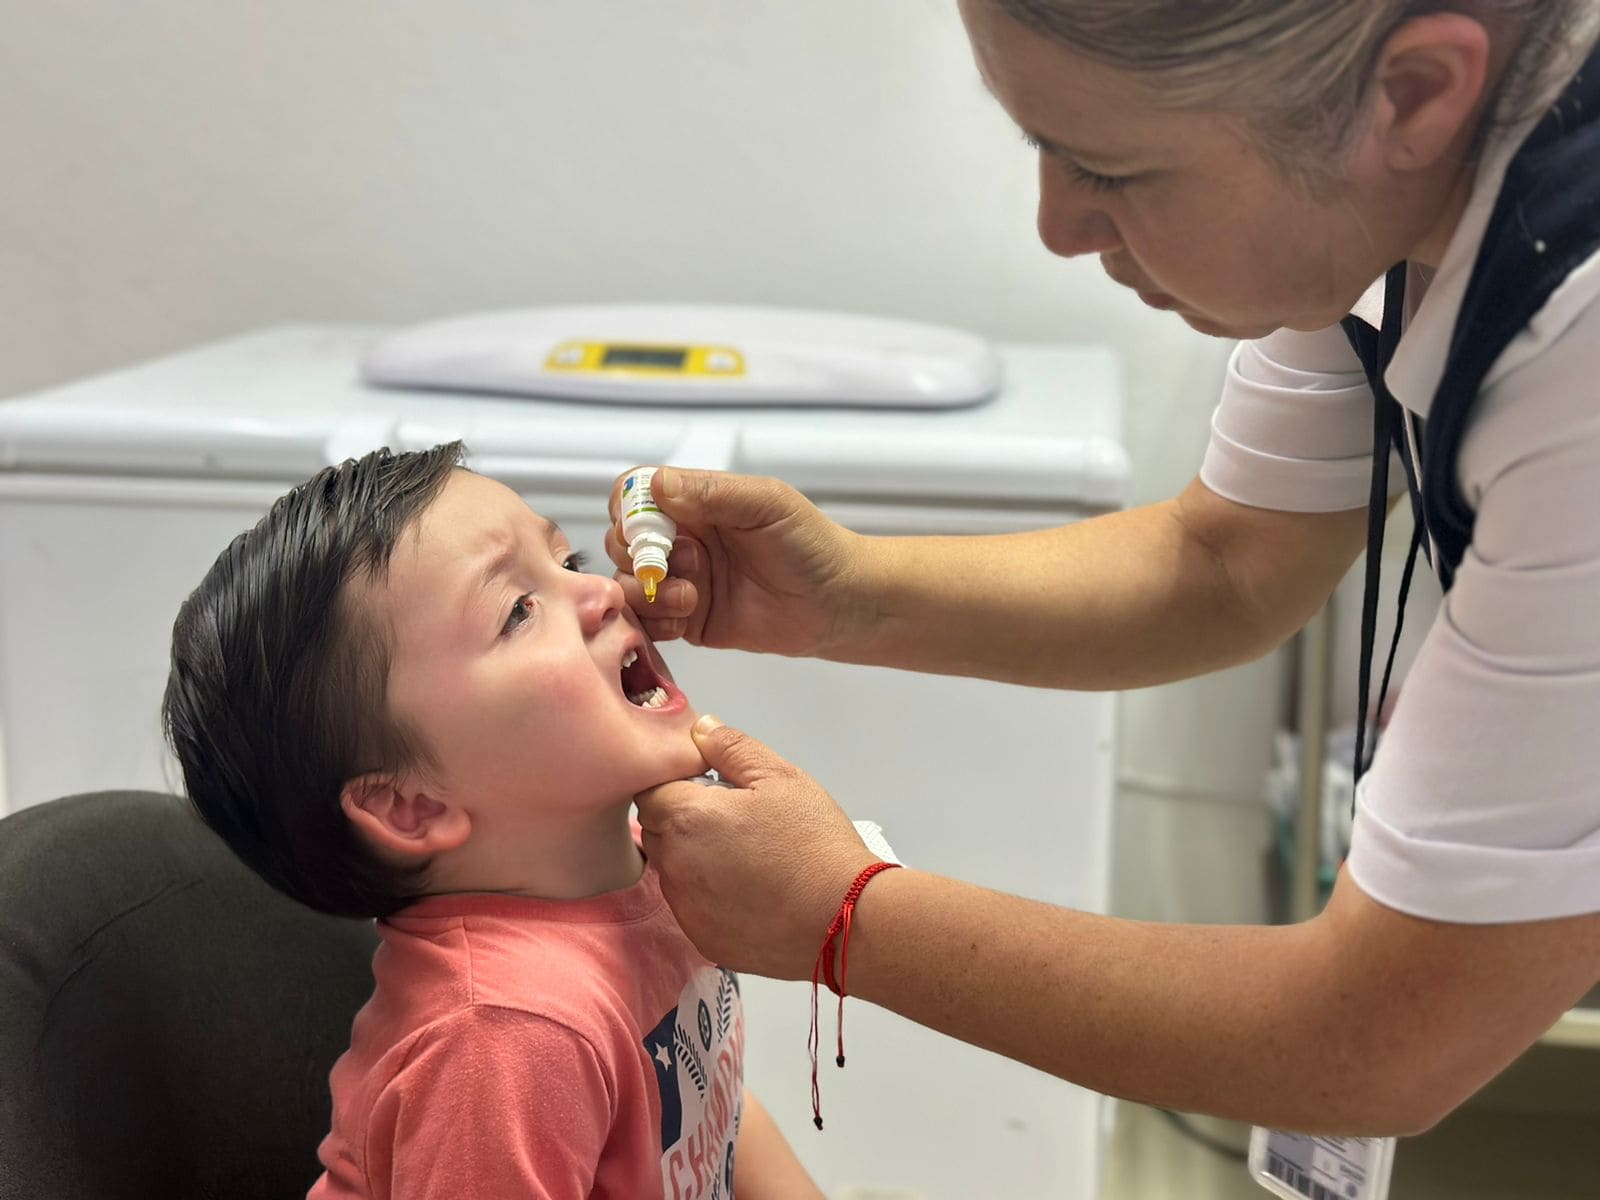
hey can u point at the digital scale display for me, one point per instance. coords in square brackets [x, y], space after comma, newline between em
[657, 358]
[672, 364]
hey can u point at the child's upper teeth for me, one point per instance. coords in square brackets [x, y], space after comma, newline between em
[631, 658]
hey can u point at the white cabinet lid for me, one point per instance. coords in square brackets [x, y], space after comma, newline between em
[281, 404]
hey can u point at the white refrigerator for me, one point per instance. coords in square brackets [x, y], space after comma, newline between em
[118, 491]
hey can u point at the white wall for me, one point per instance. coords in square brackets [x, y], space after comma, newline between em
[177, 170]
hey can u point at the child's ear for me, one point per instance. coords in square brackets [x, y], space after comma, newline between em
[396, 814]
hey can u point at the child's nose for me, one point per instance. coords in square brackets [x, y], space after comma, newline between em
[599, 598]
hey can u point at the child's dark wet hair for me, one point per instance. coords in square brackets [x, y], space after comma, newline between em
[277, 693]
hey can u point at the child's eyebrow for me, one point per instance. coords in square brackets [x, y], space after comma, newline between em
[496, 568]
[500, 563]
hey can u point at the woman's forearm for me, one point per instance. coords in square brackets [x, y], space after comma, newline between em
[1124, 1008]
[1361, 1021]
[1157, 593]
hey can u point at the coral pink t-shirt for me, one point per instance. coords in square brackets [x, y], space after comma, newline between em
[539, 1049]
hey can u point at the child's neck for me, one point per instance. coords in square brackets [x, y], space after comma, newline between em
[568, 856]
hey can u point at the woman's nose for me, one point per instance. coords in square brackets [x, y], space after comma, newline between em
[1071, 222]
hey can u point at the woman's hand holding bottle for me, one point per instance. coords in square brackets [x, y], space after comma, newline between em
[754, 566]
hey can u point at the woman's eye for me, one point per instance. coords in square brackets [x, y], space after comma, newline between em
[1094, 181]
[521, 610]
[576, 561]
[1081, 175]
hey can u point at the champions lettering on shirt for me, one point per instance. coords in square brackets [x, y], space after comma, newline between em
[698, 1051]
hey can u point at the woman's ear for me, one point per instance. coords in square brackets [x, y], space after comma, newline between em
[1432, 80]
[394, 813]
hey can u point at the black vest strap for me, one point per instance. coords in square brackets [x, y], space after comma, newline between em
[1545, 223]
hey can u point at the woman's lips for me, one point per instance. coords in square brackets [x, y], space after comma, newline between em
[1150, 296]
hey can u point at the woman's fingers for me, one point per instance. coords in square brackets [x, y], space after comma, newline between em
[753, 872]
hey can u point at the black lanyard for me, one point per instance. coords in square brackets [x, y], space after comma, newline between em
[1386, 415]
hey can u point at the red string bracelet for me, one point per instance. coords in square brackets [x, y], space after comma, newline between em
[822, 972]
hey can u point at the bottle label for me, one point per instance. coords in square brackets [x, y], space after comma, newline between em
[636, 497]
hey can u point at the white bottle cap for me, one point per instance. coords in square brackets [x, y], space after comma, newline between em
[650, 550]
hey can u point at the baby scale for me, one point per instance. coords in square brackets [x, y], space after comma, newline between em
[671, 354]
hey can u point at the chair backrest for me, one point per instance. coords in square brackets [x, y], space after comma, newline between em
[167, 1021]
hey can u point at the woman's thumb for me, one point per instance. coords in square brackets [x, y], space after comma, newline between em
[735, 756]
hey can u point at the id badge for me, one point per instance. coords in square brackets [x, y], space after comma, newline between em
[1299, 1167]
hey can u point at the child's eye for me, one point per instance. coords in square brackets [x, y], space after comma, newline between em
[521, 610]
[576, 561]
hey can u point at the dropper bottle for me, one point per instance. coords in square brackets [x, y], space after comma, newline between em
[647, 530]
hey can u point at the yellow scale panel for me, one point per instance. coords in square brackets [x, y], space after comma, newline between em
[652, 360]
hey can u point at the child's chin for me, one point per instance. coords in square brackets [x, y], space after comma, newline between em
[691, 764]
[700, 766]
[680, 758]
[685, 765]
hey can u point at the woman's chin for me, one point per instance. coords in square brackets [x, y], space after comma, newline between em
[1244, 332]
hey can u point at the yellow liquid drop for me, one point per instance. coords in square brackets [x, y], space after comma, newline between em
[650, 577]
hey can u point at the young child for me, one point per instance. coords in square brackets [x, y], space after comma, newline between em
[398, 696]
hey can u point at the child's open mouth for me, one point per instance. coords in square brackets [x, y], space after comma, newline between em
[640, 683]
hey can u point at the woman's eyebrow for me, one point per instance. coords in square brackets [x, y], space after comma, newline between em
[1057, 149]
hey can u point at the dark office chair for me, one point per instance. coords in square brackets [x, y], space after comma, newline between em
[167, 1021]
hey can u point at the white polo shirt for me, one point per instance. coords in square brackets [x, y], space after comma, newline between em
[1483, 802]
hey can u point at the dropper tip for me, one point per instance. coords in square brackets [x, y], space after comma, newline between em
[649, 591]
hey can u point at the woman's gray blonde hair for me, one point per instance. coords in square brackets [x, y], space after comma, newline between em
[1298, 72]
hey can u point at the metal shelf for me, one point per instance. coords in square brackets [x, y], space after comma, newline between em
[1580, 1027]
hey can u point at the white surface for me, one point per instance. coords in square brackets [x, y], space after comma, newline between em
[102, 543]
[281, 404]
[789, 356]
